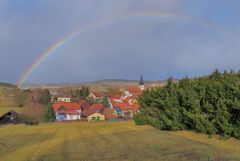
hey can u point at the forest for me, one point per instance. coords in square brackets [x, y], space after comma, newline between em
[209, 104]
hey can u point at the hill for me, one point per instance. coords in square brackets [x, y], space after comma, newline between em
[100, 85]
[3, 84]
[11, 95]
[106, 141]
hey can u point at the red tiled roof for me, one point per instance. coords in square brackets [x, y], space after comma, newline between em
[134, 90]
[116, 96]
[84, 104]
[123, 106]
[97, 107]
[126, 99]
[66, 105]
[109, 113]
[57, 105]
[87, 112]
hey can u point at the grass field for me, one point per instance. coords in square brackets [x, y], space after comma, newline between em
[109, 141]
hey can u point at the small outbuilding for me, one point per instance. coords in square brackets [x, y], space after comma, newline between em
[10, 117]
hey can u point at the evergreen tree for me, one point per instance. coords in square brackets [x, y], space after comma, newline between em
[50, 114]
[105, 102]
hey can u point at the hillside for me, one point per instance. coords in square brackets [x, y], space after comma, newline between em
[11, 95]
[100, 85]
[3, 84]
[116, 141]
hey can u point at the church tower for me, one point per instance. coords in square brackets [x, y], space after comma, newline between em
[141, 83]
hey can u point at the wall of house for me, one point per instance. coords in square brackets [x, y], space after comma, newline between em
[73, 117]
[60, 117]
[96, 117]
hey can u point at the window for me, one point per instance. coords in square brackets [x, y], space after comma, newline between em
[98, 118]
[93, 118]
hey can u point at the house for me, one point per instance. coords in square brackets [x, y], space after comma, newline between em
[119, 111]
[125, 109]
[129, 100]
[98, 107]
[110, 114]
[132, 91]
[67, 111]
[10, 117]
[96, 96]
[64, 99]
[94, 112]
[116, 98]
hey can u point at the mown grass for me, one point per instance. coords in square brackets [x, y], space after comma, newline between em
[109, 141]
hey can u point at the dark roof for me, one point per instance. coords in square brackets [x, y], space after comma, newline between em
[10, 117]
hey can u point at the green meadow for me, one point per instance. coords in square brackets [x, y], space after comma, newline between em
[106, 141]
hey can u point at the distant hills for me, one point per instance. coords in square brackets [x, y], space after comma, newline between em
[3, 84]
[99, 84]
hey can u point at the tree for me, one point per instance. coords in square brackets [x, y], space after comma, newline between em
[105, 102]
[87, 92]
[50, 114]
[41, 96]
[83, 92]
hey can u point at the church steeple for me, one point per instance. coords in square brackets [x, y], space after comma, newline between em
[141, 83]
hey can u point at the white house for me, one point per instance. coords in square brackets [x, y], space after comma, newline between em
[67, 111]
[96, 96]
[64, 99]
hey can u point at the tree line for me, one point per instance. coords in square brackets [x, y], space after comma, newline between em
[81, 93]
[209, 104]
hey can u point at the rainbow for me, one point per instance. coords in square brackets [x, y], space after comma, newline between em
[51, 49]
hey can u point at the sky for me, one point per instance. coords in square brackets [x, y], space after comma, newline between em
[190, 38]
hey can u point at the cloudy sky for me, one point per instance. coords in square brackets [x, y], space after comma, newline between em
[158, 38]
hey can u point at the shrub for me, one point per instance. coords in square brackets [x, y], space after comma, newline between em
[140, 119]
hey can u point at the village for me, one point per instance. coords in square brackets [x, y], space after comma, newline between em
[64, 107]
[116, 107]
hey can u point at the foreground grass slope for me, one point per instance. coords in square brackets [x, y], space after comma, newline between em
[109, 141]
